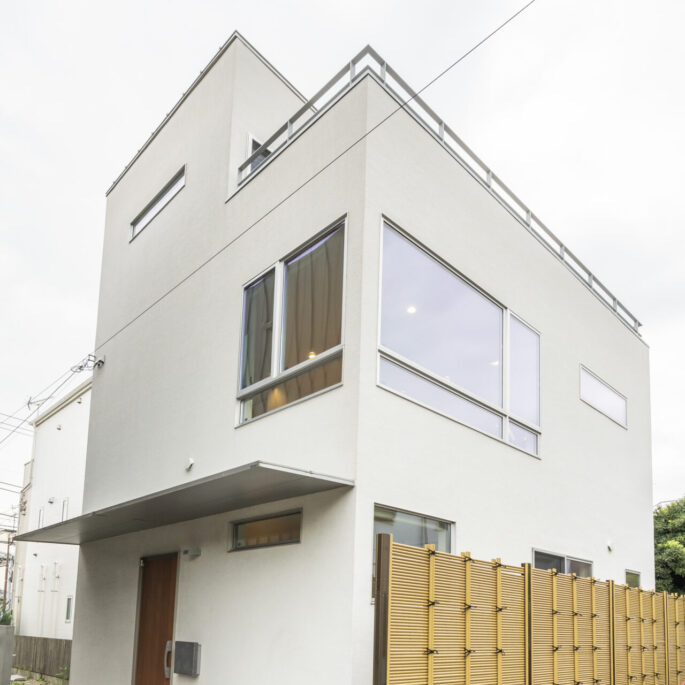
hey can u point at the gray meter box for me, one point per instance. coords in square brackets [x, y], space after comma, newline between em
[187, 658]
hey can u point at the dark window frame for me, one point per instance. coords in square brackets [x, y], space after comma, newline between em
[233, 526]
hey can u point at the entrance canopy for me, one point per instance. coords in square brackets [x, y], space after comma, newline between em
[244, 486]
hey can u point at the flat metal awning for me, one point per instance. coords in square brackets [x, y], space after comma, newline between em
[244, 486]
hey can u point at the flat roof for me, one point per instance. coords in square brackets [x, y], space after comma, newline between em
[244, 486]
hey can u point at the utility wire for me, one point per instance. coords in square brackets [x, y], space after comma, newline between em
[311, 178]
[45, 389]
[26, 418]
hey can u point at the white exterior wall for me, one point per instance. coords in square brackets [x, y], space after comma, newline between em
[592, 481]
[46, 573]
[277, 614]
[167, 392]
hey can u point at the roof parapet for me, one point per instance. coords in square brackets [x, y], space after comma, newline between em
[369, 63]
[233, 37]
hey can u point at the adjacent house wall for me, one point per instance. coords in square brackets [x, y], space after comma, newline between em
[45, 574]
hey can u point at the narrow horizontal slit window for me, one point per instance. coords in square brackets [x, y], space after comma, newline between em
[265, 532]
[161, 200]
[603, 397]
[411, 385]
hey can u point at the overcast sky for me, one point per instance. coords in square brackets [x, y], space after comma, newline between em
[578, 105]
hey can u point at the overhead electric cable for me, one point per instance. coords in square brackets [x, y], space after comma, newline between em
[34, 411]
[313, 176]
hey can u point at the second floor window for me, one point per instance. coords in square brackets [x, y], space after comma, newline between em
[447, 345]
[292, 327]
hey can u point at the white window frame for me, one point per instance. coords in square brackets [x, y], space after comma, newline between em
[69, 609]
[637, 573]
[279, 374]
[566, 559]
[582, 368]
[507, 313]
[400, 510]
[41, 517]
[65, 509]
[153, 208]
[251, 140]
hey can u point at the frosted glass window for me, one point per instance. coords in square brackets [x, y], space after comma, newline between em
[160, 201]
[523, 438]
[438, 321]
[524, 371]
[313, 300]
[440, 399]
[258, 311]
[583, 569]
[632, 579]
[603, 398]
[274, 530]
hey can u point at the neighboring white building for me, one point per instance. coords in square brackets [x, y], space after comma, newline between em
[328, 336]
[45, 575]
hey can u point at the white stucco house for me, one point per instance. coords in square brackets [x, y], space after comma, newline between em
[319, 320]
[45, 574]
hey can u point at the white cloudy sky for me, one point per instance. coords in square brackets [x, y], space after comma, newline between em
[578, 105]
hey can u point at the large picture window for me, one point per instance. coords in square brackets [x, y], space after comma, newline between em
[292, 328]
[448, 346]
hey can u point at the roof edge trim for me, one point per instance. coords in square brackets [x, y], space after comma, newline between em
[77, 392]
[236, 35]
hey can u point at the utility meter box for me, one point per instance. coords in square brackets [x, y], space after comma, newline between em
[187, 658]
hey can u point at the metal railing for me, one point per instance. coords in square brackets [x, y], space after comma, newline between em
[369, 62]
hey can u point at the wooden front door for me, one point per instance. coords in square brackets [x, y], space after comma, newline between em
[156, 620]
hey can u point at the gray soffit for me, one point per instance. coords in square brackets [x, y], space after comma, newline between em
[244, 486]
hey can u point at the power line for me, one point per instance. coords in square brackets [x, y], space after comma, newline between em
[63, 383]
[313, 176]
[23, 432]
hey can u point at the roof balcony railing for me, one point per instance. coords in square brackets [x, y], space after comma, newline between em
[369, 62]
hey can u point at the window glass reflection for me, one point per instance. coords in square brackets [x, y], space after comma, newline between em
[438, 321]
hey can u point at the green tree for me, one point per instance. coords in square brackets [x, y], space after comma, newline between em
[669, 547]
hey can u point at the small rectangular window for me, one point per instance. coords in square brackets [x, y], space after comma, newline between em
[523, 438]
[603, 397]
[259, 159]
[67, 615]
[411, 385]
[410, 529]
[161, 200]
[41, 517]
[546, 561]
[562, 564]
[583, 569]
[65, 509]
[632, 579]
[281, 529]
